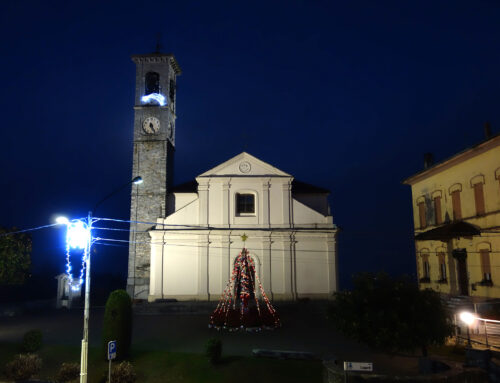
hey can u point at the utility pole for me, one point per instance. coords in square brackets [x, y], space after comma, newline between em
[86, 312]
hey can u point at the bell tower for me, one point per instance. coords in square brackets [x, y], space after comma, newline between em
[153, 158]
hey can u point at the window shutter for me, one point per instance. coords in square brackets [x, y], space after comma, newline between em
[442, 265]
[479, 197]
[437, 210]
[421, 214]
[457, 208]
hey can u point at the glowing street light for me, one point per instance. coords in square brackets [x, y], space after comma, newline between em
[137, 180]
[79, 236]
[62, 220]
[469, 319]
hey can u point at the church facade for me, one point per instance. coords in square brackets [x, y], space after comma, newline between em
[184, 238]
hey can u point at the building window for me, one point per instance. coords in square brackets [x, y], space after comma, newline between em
[245, 204]
[437, 210]
[442, 267]
[479, 198]
[172, 90]
[426, 269]
[485, 265]
[421, 214]
[152, 83]
[457, 207]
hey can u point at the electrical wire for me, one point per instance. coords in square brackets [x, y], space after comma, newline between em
[29, 230]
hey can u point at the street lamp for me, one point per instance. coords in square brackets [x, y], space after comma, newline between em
[468, 318]
[79, 235]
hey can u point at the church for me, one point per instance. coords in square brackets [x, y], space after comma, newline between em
[184, 238]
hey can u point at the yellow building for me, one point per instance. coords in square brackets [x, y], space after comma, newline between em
[456, 209]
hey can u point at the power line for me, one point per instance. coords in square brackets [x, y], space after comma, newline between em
[29, 230]
[111, 244]
[114, 229]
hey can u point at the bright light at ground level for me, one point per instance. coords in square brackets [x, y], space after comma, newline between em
[467, 317]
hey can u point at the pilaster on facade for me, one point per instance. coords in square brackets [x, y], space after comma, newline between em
[332, 262]
[203, 190]
[226, 186]
[266, 244]
[266, 185]
[286, 189]
[203, 244]
[288, 268]
[157, 265]
[225, 252]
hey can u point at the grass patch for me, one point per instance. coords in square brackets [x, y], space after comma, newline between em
[161, 366]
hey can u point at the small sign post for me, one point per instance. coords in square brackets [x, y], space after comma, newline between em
[111, 356]
[357, 366]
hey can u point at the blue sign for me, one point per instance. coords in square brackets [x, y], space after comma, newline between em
[112, 350]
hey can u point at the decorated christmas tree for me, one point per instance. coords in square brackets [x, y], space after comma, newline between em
[239, 306]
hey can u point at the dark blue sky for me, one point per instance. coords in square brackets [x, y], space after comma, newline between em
[345, 95]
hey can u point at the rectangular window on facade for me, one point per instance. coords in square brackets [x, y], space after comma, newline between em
[437, 210]
[421, 215]
[442, 266]
[245, 204]
[457, 207]
[479, 198]
[485, 265]
[426, 269]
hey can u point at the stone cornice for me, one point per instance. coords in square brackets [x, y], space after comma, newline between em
[158, 58]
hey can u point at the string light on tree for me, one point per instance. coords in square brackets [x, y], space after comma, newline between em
[239, 307]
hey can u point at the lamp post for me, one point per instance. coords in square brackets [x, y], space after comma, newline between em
[468, 318]
[88, 246]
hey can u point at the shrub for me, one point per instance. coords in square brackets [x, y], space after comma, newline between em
[213, 350]
[23, 367]
[68, 372]
[123, 373]
[32, 341]
[118, 323]
[391, 314]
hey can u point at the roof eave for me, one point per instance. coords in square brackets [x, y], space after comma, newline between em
[493, 141]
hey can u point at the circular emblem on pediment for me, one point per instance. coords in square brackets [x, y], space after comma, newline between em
[245, 167]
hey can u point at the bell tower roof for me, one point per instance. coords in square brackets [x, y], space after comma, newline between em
[157, 57]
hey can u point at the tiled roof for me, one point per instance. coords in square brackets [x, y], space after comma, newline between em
[299, 187]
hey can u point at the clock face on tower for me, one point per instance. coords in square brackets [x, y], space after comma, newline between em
[151, 125]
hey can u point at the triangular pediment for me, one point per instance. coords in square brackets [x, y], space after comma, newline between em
[244, 165]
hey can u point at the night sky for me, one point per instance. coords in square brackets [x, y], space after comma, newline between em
[344, 95]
